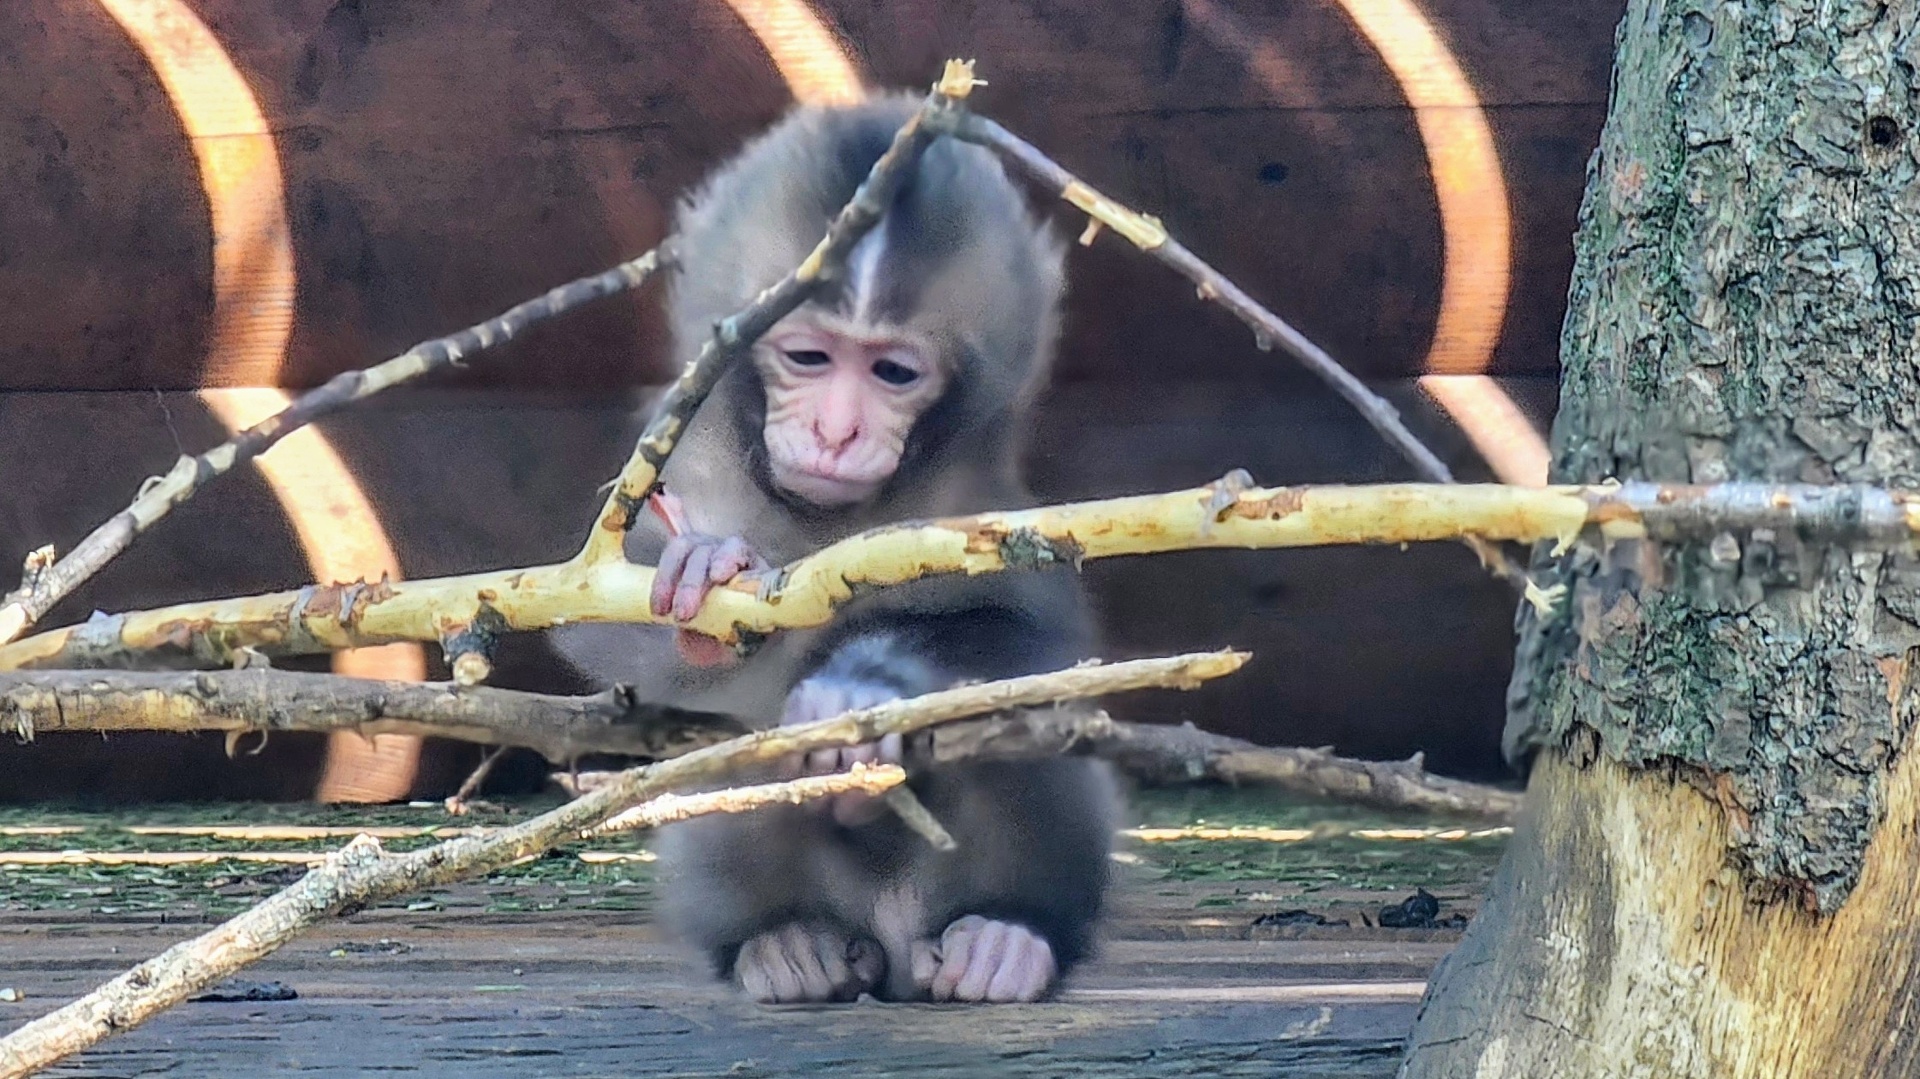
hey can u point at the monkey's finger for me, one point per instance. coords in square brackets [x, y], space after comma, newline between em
[868, 962]
[925, 958]
[855, 808]
[777, 969]
[759, 969]
[666, 576]
[830, 959]
[732, 558]
[956, 946]
[693, 583]
[822, 761]
[1026, 971]
[989, 949]
[865, 753]
[753, 981]
[892, 748]
[809, 957]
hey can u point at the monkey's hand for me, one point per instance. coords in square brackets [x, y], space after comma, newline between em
[822, 697]
[692, 565]
[799, 963]
[980, 960]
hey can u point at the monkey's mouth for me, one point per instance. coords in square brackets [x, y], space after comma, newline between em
[824, 488]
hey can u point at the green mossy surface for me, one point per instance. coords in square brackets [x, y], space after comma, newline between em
[562, 881]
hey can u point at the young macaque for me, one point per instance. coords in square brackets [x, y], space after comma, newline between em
[901, 392]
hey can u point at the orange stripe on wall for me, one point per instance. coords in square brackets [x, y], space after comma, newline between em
[808, 54]
[254, 289]
[1475, 216]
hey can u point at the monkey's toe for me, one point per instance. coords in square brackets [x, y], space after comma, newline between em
[802, 964]
[993, 962]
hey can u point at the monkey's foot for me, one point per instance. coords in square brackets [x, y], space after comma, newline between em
[797, 964]
[823, 697]
[980, 960]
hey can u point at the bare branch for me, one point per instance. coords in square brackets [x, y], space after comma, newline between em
[734, 336]
[363, 873]
[668, 809]
[1185, 754]
[45, 585]
[566, 728]
[461, 801]
[561, 729]
[919, 819]
[808, 591]
[1149, 235]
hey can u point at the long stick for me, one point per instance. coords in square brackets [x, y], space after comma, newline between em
[1149, 235]
[46, 585]
[272, 701]
[363, 873]
[360, 873]
[1184, 754]
[808, 591]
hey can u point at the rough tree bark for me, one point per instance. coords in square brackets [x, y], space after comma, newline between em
[1717, 873]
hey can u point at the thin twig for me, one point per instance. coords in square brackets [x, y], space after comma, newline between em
[1149, 235]
[919, 819]
[1170, 756]
[1184, 754]
[44, 586]
[457, 803]
[735, 335]
[881, 779]
[808, 591]
[362, 873]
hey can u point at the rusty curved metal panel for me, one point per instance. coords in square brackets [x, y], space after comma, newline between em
[254, 291]
[1475, 216]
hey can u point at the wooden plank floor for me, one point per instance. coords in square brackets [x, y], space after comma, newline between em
[1182, 988]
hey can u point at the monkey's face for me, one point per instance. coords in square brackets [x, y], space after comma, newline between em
[841, 401]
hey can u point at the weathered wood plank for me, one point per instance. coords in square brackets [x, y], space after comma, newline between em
[572, 995]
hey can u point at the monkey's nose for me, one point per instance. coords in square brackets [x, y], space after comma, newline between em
[835, 437]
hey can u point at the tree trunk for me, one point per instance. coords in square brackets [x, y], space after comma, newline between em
[1717, 872]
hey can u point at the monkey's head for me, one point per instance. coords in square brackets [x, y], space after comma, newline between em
[938, 334]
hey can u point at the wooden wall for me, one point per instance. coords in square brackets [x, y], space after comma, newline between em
[441, 162]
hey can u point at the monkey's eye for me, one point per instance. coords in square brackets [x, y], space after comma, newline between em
[810, 358]
[894, 374]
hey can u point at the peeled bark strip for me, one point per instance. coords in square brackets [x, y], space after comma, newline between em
[1715, 873]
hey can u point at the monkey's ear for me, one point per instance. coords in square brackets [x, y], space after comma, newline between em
[746, 224]
[1048, 252]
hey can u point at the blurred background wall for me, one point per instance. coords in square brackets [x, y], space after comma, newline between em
[211, 202]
